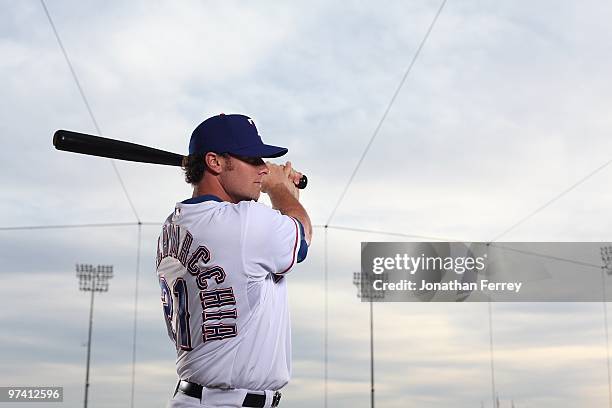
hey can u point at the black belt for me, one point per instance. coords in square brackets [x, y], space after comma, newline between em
[250, 400]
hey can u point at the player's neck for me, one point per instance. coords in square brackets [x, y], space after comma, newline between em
[208, 187]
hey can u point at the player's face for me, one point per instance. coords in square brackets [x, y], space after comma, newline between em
[242, 177]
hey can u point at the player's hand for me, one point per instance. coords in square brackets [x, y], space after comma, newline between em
[281, 176]
[294, 175]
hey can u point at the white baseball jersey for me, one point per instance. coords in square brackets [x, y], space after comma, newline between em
[221, 268]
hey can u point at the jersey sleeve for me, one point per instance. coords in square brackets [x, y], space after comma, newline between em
[272, 242]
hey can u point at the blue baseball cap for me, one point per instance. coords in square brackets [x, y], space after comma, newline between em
[233, 134]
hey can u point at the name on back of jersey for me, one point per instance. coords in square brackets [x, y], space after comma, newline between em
[215, 304]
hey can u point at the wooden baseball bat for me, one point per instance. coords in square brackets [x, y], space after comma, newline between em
[83, 143]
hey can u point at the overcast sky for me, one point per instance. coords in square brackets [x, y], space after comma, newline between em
[506, 107]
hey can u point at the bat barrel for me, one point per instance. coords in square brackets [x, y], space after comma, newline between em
[67, 140]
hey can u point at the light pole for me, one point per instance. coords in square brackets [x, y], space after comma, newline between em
[606, 258]
[92, 280]
[366, 290]
[606, 269]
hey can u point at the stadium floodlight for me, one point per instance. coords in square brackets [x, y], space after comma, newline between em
[92, 280]
[365, 290]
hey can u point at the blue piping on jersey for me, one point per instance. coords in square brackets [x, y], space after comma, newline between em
[201, 199]
[303, 245]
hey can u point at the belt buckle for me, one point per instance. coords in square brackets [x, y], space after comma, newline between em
[276, 399]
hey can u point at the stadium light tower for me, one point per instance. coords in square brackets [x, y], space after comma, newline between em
[366, 290]
[92, 280]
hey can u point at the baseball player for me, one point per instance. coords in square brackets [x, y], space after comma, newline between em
[222, 261]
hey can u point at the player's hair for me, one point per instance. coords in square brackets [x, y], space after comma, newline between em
[194, 167]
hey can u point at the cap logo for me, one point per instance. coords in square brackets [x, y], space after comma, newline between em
[251, 121]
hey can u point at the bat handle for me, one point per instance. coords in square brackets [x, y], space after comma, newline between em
[303, 182]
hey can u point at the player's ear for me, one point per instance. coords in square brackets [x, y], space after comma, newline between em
[213, 162]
